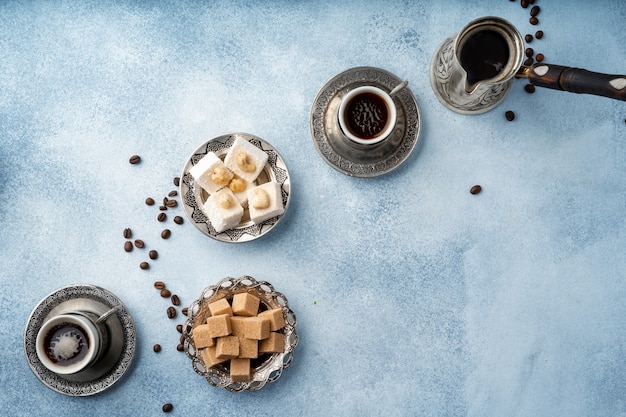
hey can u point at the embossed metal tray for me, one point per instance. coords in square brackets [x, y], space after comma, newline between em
[268, 367]
[345, 156]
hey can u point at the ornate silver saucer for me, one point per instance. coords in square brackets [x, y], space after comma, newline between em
[115, 361]
[345, 156]
[194, 197]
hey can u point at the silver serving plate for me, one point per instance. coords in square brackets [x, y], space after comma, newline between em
[268, 367]
[352, 159]
[194, 197]
[115, 361]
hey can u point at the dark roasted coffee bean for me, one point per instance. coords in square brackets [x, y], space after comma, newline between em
[156, 348]
[529, 61]
[181, 339]
[535, 11]
[166, 233]
[533, 21]
[510, 116]
[165, 293]
[172, 193]
[150, 201]
[162, 208]
[167, 407]
[180, 347]
[539, 34]
[128, 246]
[529, 88]
[175, 300]
[177, 181]
[171, 312]
[178, 220]
[162, 217]
[153, 254]
[128, 233]
[476, 189]
[135, 159]
[171, 203]
[144, 265]
[185, 311]
[529, 52]
[524, 3]
[165, 200]
[179, 328]
[528, 38]
[540, 57]
[139, 243]
[159, 285]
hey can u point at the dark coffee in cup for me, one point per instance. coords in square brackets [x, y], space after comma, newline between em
[66, 344]
[367, 115]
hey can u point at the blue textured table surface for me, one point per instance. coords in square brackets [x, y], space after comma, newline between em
[413, 296]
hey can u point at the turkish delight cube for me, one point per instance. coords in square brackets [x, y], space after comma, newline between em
[223, 210]
[211, 173]
[265, 201]
[245, 159]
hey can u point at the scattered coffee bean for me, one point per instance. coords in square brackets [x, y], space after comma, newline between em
[135, 159]
[167, 407]
[162, 208]
[535, 11]
[166, 233]
[150, 201]
[177, 181]
[175, 300]
[529, 88]
[171, 203]
[128, 233]
[540, 57]
[533, 21]
[528, 38]
[529, 52]
[128, 246]
[539, 34]
[529, 61]
[531, 1]
[144, 265]
[184, 311]
[165, 293]
[180, 347]
[178, 220]
[165, 200]
[524, 3]
[179, 328]
[139, 243]
[159, 285]
[171, 312]
[162, 217]
[156, 348]
[153, 254]
[181, 339]
[510, 116]
[172, 193]
[476, 189]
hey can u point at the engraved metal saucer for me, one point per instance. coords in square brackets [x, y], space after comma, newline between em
[268, 367]
[352, 159]
[115, 361]
[194, 197]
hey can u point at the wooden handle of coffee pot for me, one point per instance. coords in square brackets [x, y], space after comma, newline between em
[576, 80]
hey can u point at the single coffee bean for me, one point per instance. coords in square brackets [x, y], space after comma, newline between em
[171, 203]
[165, 293]
[535, 11]
[178, 220]
[529, 88]
[171, 312]
[175, 300]
[540, 57]
[128, 233]
[156, 348]
[529, 61]
[144, 265]
[510, 116]
[162, 208]
[528, 38]
[135, 159]
[172, 193]
[529, 52]
[177, 181]
[166, 233]
[185, 311]
[139, 243]
[524, 3]
[181, 339]
[153, 254]
[167, 407]
[539, 34]
[128, 246]
[180, 347]
[150, 201]
[165, 200]
[476, 189]
[159, 285]
[179, 328]
[162, 217]
[531, 1]
[533, 21]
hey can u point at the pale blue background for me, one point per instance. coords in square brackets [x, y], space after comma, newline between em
[414, 297]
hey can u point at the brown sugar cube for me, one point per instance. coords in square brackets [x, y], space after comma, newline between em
[248, 348]
[237, 324]
[227, 347]
[219, 325]
[256, 328]
[202, 337]
[245, 304]
[275, 343]
[209, 357]
[240, 370]
[276, 317]
[220, 307]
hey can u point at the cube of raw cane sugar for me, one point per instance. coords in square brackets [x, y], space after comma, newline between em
[209, 356]
[248, 348]
[245, 304]
[276, 318]
[265, 201]
[211, 173]
[219, 307]
[227, 347]
[219, 325]
[202, 336]
[223, 210]
[256, 328]
[275, 343]
[237, 324]
[240, 370]
[245, 160]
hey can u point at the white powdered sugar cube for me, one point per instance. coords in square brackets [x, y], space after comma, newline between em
[265, 201]
[245, 159]
[211, 173]
[223, 210]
